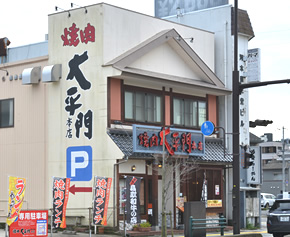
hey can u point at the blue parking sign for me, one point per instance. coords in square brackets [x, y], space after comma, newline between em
[79, 161]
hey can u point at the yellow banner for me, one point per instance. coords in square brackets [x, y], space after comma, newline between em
[16, 196]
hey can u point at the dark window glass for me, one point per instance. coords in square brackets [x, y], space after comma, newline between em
[6, 113]
[188, 112]
[143, 107]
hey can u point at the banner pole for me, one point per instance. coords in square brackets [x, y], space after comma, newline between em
[51, 220]
[125, 211]
[6, 230]
[90, 231]
[6, 225]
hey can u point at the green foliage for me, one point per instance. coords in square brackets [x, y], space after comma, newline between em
[145, 224]
[250, 226]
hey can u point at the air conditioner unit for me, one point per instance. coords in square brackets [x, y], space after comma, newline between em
[51, 73]
[31, 75]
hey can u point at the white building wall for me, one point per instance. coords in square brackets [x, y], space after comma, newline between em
[120, 36]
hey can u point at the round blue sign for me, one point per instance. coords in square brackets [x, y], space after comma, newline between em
[207, 128]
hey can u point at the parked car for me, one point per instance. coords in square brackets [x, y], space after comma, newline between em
[267, 200]
[278, 218]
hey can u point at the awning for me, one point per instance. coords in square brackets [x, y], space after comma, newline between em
[214, 148]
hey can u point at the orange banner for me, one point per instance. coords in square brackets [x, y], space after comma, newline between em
[16, 196]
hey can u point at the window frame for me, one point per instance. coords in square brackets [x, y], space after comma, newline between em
[13, 112]
[133, 89]
[192, 99]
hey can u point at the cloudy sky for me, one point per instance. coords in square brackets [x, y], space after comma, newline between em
[25, 22]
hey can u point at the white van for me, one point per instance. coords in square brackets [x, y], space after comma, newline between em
[267, 200]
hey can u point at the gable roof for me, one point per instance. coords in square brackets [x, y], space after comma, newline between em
[202, 76]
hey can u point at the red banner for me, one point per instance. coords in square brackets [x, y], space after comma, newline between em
[101, 200]
[60, 199]
[30, 223]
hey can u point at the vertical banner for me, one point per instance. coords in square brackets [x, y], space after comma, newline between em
[204, 190]
[101, 199]
[16, 196]
[133, 199]
[60, 199]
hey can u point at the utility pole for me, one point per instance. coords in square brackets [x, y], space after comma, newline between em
[236, 131]
[283, 164]
[237, 89]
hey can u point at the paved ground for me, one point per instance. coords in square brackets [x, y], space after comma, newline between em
[263, 231]
[59, 234]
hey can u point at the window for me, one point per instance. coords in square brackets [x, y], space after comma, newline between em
[142, 107]
[6, 113]
[269, 149]
[188, 112]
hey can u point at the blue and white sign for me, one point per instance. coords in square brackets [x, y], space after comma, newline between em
[207, 128]
[79, 163]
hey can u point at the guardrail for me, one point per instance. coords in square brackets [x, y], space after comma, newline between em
[197, 224]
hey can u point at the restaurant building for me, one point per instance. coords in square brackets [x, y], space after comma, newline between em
[114, 93]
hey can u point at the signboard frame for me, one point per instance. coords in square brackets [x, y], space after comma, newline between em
[196, 136]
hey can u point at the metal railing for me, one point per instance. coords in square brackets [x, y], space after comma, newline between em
[197, 224]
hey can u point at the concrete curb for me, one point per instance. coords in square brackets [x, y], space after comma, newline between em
[246, 235]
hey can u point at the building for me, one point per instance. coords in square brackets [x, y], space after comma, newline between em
[71, 108]
[218, 17]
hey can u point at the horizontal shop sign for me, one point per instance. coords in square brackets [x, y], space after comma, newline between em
[149, 139]
[214, 203]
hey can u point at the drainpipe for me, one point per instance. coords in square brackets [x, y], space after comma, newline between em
[225, 75]
[227, 175]
[125, 159]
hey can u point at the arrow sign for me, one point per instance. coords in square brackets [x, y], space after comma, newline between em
[73, 189]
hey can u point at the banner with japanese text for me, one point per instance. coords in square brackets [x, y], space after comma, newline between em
[133, 199]
[60, 199]
[101, 199]
[16, 197]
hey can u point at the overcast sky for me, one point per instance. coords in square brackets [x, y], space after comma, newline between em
[25, 22]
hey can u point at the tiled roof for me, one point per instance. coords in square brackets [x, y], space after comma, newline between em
[244, 23]
[214, 150]
[254, 140]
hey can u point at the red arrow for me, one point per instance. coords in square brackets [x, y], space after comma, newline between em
[73, 189]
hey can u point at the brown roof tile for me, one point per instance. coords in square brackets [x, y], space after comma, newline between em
[244, 23]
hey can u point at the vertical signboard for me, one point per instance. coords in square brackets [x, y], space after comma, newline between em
[60, 199]
[254, 171]
[101, 200]
[79, 118]
[30, 223]
[254, 65]
[17, 188]
[133, 199]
